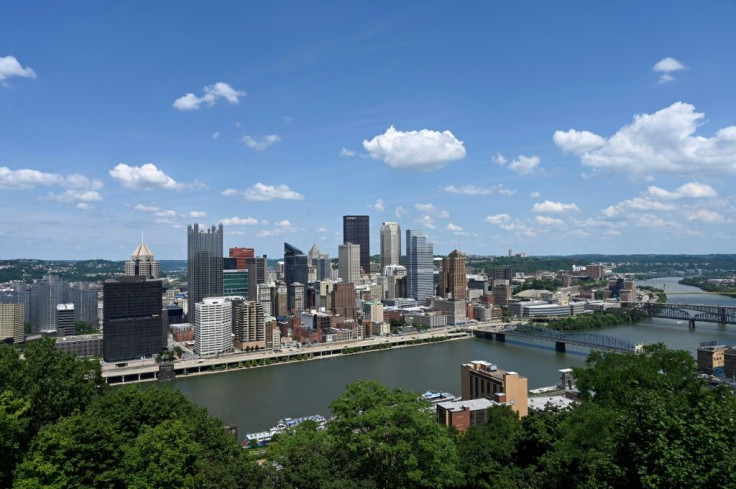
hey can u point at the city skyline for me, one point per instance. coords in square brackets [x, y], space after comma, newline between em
[547, 130]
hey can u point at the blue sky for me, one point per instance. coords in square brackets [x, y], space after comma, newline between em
[548, 128]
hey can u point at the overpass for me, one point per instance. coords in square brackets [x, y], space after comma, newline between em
[687, 312]
[595, 341]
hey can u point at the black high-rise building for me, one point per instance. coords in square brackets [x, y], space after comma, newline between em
[204, 264]
[256, 274]
[132, 324]
[296, 269]
[357, 230]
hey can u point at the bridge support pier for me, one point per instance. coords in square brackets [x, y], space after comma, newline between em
[691, 323]
[560, 346]
[501, 337]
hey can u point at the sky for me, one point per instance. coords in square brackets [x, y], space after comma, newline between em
[540, 127]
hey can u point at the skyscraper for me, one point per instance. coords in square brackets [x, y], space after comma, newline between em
[256, 274]
[241, 255]
[248, 325]
[390, 244]
[132, 326]
[64, 320]
[357, 230]
[295, 270]
[11, 322]
[453, 279]
[204, 263]
[85, 303]
[142, 263]
[45, 295]
[349, 263]
[419, 269]
[213, 325]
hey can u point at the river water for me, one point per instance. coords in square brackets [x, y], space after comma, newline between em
[256, 399]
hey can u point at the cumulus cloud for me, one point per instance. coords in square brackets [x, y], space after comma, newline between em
[284, 224]
[498, 219]
[704, 215]
[239, 221]
[691, 190]
[469, 190]
[212, 94]
[26, 178]
[432, 210]
[415, 150]
[260, 143]
[505, 191]
[261, 192]
[577, 142]
[77, 195]
[10, 67]
[426, 221]
[637, 204]
[549, 206]
[549, 221]
[535, 195]
[379, 206]
[454, 228]
[145, 208]
[229, 191]
[166, 213]
[666, 66]
[346, 153]
[197, 214]
[663, 142]
[523, 165]
[145, 177]
[400, 212]
[83, 206]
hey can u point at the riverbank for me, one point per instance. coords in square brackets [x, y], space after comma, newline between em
[707, 284]
[596, 320]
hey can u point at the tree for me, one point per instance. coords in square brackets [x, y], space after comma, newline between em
[391, 437]
[13, 439]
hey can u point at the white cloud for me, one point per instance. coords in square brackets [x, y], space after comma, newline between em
[261, 192]
[691, 190]
[215, 134]
[415, 150]
[432, 210]
[77, 195]
[212, 93]
[321, 230]
[505, 191]
[284, 224]
[704, 215]
[260, 143]
[549, 221]
[400, 212]
[635, 205]
[239, 221]
[453, 227]
[535, 195]
[26, 178]
[469, 190]
[577, 142]
[549, 206]
[229, 191]
[667, 66]
[10, 67]
[426, 221]
[167, 213]
[498, 219]
[145, 208]
[523, 165]
[612, 232]
[346, 153]
[145, 177]
[83, 206]
[664, 142]
[197, 214]
[379, 206]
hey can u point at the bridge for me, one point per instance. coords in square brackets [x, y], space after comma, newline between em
[688, 312]
[595, 341]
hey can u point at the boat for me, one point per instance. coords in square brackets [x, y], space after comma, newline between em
[263, 438]
[438, 397]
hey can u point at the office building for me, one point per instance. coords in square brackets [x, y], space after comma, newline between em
[463, 414]
[595, 272]
[344, 300]
[501, 273]
[420, 267]
[248, 325]
[295, 270]
[18, 293]
[205, 265]
[502, 294]
[229, 263]
[256, 267]
[313, 254]
[453, 279]
[83, 346]
[85, 300]
[241, 256]
[132, 323]
[357, 230]
[390, 244]
[45, 295]
[11, 323]
[235, 283]
[142, 263]
[64, 320]
[213, 326]
[323, 264]
[481, 379]
[348, 263]
[297, 294]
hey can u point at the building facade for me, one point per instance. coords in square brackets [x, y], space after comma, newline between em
[142, 263]
[241, 256]
[348, 263]
[357, 230]
[64, 320]
[256, 267]
[213, 326]
[205, 265]
[248, 325]
[390, 244]
[420, 268]
[11, 323]
[481, 379]
[453, 279]
[296, 269]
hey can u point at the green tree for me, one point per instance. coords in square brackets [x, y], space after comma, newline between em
[13, 437]
[391, 437]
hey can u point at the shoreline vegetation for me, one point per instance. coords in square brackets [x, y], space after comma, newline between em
[596, 320]
[704, 284]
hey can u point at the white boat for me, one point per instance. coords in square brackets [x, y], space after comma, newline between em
[437, 397]
[263, 438]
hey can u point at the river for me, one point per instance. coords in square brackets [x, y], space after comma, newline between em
[256, 399]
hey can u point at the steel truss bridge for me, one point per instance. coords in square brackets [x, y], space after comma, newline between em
[688, 312]
[594, 341]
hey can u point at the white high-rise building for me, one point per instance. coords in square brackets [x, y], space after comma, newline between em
[420, 267]
[349, 263]
[213, 326]
[390, 244]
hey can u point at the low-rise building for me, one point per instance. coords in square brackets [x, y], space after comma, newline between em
[481, 379]
[710, 357]
[464, 413]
